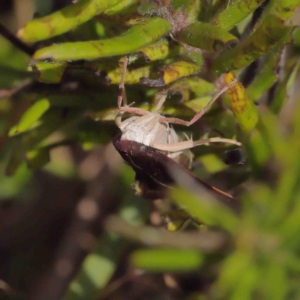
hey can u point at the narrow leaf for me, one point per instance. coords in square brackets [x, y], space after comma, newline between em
[266, 75]
[113, 72]
[264, 38]
[156, 51]
[205, 209]
[49, 72]
[206, 36]
[172, 260]
[30, 116]
[192, 87]
[132, 40]
[63, 20]
[243, 107]
[175, 71]
[120, 7]
[235, 12]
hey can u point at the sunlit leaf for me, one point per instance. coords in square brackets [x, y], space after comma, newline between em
[63, 20]
[113, 72]
[133, 39]
[234, 12]
[174, 71]
[156, 51]
[49, 72]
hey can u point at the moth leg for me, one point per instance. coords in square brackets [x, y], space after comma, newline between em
[200, 113]
[118, 120]
[134, 110]
[172, 137]
[122, 98]
[161, 97]
[121, 91]
[184, 145]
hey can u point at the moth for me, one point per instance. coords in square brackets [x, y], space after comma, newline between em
[150, 144]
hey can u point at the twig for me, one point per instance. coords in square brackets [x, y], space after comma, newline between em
[15, 41]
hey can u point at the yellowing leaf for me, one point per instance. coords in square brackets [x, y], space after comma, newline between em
[243, 107]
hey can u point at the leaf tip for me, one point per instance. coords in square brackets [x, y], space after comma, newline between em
[21, 33]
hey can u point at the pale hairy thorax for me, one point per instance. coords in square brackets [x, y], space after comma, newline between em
[153, 129]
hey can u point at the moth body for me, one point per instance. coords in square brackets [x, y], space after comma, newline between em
[152, 129]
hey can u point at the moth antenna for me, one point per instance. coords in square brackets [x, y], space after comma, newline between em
[200, 113]
[210, 103]
[186, 136]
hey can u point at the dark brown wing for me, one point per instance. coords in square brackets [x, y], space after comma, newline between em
[152, 169]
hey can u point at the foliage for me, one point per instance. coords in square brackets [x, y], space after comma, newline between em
[79, 232]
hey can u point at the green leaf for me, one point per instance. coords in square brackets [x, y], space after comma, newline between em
[113, 72]
[266, 76]
[176, 70]
[238, 265]
[120, 7]
[53, 119]
[284, 8]
[234, 12]
[271, 274]
[133, 39]
[243, 108]
[30, 117]
[156, 51]
[176, 218]
[11, 186]
[193, 87]
[63, 20]
[266, 36]
[172, 260]
[288, 74]
[90, 281]
[198, 104]
[205, 208]
[49, 72]
[206, 36]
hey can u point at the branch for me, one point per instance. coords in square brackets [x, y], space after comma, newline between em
[15, 41]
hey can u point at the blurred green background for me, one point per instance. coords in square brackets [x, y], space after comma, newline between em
[72, 226]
